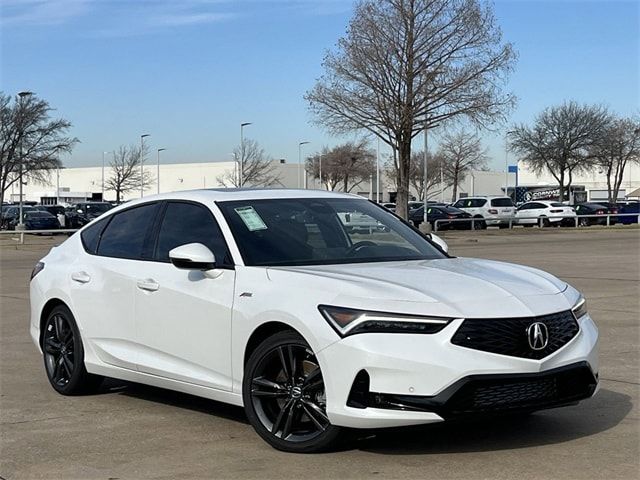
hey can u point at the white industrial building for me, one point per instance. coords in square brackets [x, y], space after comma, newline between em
[70, 185]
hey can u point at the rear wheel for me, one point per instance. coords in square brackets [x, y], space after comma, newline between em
[64, 355]
[284, 395]
[479, 223]
[583, 222]
[544, 222]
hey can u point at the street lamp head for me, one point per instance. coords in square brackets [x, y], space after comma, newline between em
[161, 149]
[26, 93]
[145, 135]
[303, 143]
[245, 124]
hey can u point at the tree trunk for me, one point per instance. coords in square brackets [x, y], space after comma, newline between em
[561, 189]
[404, 168]
[609, 189]
[456, 175]
[617, 183]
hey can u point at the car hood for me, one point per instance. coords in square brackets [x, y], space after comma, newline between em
[463, 287]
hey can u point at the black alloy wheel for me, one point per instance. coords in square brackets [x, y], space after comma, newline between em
[64, 355]
[284, 395]
[479, 223]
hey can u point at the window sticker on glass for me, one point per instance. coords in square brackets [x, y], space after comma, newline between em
[251, 218]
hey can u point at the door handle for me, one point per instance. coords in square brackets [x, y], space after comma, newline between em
[148, 285]
[81, 277]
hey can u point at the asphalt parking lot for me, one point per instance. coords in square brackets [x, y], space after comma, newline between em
[133, 431]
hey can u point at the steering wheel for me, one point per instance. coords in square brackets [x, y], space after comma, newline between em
[358, 245]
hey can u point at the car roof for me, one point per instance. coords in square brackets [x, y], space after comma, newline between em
[207, 195]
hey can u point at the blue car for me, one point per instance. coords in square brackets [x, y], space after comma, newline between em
[631, 207]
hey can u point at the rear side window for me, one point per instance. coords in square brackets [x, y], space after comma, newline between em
[501, 202]
[470, 203]
[190, 223]
[556, 204]
[125, 235]
[91, 236]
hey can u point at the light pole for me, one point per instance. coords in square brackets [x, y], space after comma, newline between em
[158, 168]
[22, 96]
[241, 174]
[426, 227]
[142, 137]
[300, 164]
[506, 162]
[103, 155]
[378, 172]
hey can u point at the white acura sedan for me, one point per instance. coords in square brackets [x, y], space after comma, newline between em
[264, 299]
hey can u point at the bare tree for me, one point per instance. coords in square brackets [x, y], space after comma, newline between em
[30, 140]
[407, 64]
[561, 141]
[348, 164]
[259, 170]
[461, 152]
[125, 172]
[416, 173]
[618, 146]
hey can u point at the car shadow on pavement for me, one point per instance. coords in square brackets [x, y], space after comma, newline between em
[604, 411]
[174, 399]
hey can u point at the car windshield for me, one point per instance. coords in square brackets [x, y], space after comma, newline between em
[501, 202]
[312, 231]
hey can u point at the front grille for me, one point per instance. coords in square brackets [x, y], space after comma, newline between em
[490, 394]
[521, 393]
[508, 336]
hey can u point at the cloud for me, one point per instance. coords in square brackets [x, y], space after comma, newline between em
[126, 17]
[41, 12]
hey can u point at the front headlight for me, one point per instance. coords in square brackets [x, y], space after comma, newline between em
[580, 309]
[348, 321]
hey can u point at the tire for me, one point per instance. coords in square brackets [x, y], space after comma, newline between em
[545, 222]
[583, 222]
[63, 355]
[278, 407]
[479, 223]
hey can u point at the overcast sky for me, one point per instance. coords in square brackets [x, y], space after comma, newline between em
[189, 72]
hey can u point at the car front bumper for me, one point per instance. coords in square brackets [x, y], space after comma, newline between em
[412, 377]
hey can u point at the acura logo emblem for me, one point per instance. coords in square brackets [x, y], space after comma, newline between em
[537, 336]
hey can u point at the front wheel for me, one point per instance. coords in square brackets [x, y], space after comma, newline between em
[64, 355]
[284, 395]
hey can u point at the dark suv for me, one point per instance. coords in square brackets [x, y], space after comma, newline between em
[80, 214]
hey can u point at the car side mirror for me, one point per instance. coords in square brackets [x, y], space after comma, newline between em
[194, 256]
[440, 242]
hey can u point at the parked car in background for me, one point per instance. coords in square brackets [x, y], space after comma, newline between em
[80, 214]
[11, 213]
[443, 214]
[545, 213]
[592, 208]
[359, 222]
[493, 211]
[40, 220]
[628, 208]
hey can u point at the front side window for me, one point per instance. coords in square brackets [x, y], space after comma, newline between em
[126, 233]
[310, 231]
[185, 223]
